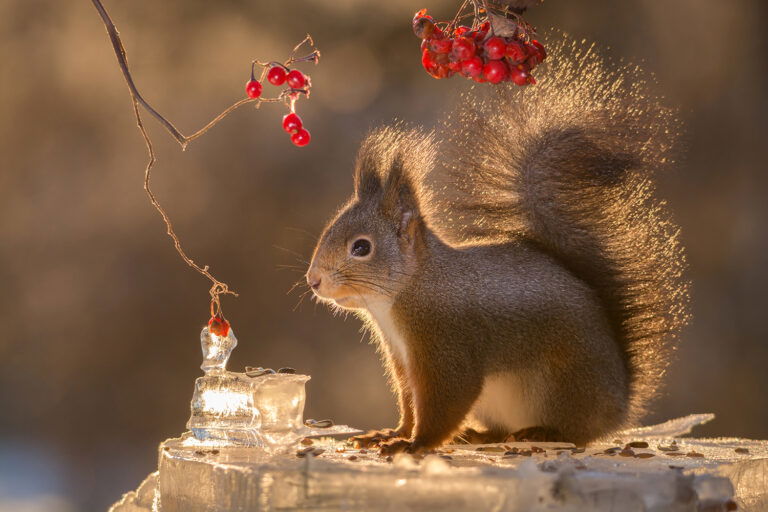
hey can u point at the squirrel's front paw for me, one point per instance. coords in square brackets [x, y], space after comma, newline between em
[373, 438]
[394, 446]
[401, 445]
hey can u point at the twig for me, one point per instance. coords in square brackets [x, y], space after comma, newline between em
[288, 96]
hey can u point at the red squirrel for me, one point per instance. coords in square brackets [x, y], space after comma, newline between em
[515, 267]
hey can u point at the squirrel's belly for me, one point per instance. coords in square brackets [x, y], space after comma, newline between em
[503, 405]
[390, 334]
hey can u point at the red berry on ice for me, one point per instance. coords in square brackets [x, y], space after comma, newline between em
[253, 88]
[495, 71]
[464, 48]
[300, 138]
[296, 79]
[292, 123]
[276, 75]
[218, 325]
[472, 67]
[495, 48]
[441, 45]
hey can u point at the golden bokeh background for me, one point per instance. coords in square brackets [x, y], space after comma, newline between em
[101, 318]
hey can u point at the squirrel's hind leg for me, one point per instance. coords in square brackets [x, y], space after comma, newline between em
[472, 436]
[536, 434]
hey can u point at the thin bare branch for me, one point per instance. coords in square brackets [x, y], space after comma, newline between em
[287, 96]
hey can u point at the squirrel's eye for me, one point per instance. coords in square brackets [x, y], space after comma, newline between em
[360, 248]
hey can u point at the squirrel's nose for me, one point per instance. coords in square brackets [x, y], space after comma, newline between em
[313, 280]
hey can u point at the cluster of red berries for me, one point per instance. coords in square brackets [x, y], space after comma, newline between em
[218, 325]
[477, 54]
[297, 82]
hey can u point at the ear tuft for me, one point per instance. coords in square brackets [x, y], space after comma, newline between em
[400, 193]
[367, 180]
[392, 160]
[391, 165]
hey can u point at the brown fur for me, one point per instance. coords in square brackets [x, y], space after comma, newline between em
[534, 248]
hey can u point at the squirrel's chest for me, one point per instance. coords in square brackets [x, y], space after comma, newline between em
[389, 332]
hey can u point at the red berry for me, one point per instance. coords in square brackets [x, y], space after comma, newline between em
[480, 33]
[427, 59]
[423, 27]
[495, 48]
[516, 51]
[253, 88]
[441, 71]
[292, 123]
[461, 30]
[464, 48]
[454, 65]
[218, 325]
[495, 71]
[533, 55]
[441, 45]
[472, 67]
[441, 59]
[276, 75]
[422, 13]
[519, 76]
[540, 48]
[300, 138]
[296, 79]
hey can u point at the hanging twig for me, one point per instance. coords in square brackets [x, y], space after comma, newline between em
[287, 96]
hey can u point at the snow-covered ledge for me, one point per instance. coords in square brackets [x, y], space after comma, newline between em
[248, 450]
[672, 473]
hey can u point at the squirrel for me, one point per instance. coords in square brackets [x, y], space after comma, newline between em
[515, 267]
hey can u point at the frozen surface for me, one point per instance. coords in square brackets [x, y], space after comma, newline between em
[258, 408]
[216, 349]
[143, 499]
[672, 428]
[263, 411]
[685, 475]
[243, 454]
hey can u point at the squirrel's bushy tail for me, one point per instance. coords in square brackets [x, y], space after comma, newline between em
[568, 163]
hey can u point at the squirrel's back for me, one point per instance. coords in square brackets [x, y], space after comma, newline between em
[568, 164]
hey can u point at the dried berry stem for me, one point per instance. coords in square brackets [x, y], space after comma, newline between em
[217, 287]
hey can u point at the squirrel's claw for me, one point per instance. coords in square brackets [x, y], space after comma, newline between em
[397, 445]
[535, 434]
[402, 445]
[373, 438]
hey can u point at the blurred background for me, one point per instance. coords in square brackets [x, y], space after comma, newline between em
[101, 339]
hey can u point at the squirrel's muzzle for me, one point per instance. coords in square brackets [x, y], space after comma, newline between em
[314, 277]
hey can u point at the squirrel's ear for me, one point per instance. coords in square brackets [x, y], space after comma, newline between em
[399, 201]
[367, 181]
